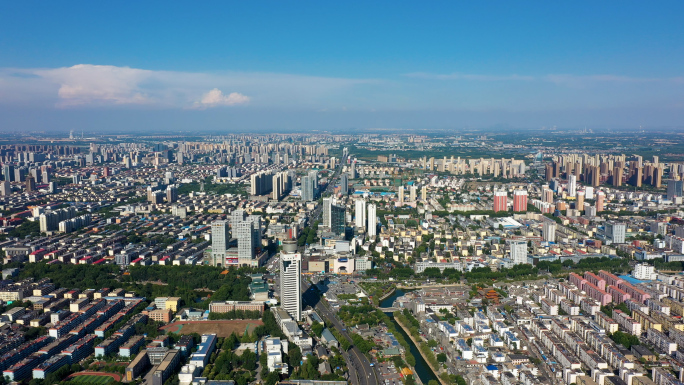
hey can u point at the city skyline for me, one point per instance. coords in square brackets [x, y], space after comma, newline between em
[331, 67]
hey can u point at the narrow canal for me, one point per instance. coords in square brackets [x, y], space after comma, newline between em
[423, 370]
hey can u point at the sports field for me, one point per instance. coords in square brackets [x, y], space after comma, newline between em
[222, 328]
[94, 378]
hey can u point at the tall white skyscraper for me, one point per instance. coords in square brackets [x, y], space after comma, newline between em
[518, 252]
[572, 185]
[549, 231]
[372, 220]
[400, 200]
[219, 242]
[290, 280]
[360, 210]
[423, 193]
[244, 232]
[412, 192]
[360, 213]
[327, 209]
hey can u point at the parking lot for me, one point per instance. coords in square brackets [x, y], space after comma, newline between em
[390, 374]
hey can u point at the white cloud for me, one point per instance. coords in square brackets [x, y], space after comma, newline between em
[216, 97]
[95, 84]
[85, 85]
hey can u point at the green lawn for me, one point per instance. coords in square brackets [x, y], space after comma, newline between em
[95, 380]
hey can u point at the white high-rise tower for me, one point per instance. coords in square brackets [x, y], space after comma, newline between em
[518, 251]
[360, 208]
[372, 220]
[219, 242]
[291, 280]
[572, 185]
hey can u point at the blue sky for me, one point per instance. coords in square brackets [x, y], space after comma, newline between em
[240, 66]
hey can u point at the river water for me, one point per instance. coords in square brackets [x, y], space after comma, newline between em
[423, 370]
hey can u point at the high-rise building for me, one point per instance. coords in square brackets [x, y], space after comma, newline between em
[600, 199]
[400, 196]
[548, 172]
[518, 251]
[549, 231]
[675, 188]
[8, 172]
[48, 222]
[244, 232]
[579, 203]
[5, 188]
[277, 186]
[500, 201]
[615, 231]
[155, 197]
[412, 192]
[344, 184]
[261, 183]
[519, 200]
[644, 271]
[290, 280]
[327, 210]
[595, 173]
[572, 185]
[171, 194]
[280, 184]
[338, 219]
[423, 193]
[617, 176]
[219, 242]
[307, 189]
[547, 195]
[372, 220]
[310, 186]
[333, 216]
[30, 184]
[658, 176]
[360, 213]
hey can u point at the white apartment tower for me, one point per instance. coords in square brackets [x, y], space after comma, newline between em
[327, 211]
[360, 210]
[413, 189]
[572, 185]
[644, 271]
[219, 242]
[518, 252]
[549, 231]
[372, 220]
[290, 280]
[400, 201]
[615, 231]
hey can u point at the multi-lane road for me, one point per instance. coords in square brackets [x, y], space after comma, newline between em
[360, 369]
